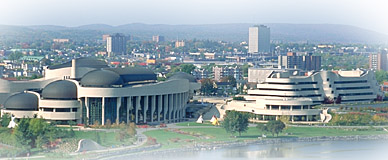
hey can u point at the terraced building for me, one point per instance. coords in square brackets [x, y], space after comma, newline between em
[292, 94]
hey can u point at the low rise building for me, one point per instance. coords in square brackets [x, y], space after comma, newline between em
[87, 91]
[287, 93]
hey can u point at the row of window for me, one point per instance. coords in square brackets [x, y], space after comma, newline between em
[356, 94]
[295, 96]
[345, 82]
[302, 89]
[335, 82]
[292, 83]
[60, 109]
[350, 88]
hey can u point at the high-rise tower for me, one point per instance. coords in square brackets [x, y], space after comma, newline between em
[259, 39]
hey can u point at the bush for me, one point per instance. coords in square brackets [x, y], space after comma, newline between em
[239, 98]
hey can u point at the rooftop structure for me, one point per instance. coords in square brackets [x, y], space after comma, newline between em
[86, 91]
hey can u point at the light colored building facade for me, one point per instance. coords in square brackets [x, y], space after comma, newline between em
[283, 93]
[179, 44]
[259, 39]
[116, 44]
[158, 38]
[378, 61]
[91, 93]
[306, 62]
[224, 71]
[61, 40]
[200, 73]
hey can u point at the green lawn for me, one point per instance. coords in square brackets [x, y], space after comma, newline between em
[107, 139]
[205, 123]
[219, 134]
[165, 138]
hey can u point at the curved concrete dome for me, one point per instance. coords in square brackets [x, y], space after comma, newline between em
[22, 101]
[82, 62]
[133, 74]
[183, 75]
[60, 90]
[101, 78]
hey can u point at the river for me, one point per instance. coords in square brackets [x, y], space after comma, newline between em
[363, 150]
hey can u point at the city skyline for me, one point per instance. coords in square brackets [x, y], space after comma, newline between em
[364, 14]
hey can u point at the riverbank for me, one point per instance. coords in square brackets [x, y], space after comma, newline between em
[237, 143]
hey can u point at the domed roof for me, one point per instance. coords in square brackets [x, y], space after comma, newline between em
[101, 78]
[22, 101]
[61, 89]
[132, 74]
[82, 62]
[183, 75]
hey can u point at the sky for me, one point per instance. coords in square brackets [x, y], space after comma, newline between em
[368, 14]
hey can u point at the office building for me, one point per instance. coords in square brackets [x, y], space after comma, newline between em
[179, 44]
[116, 44]
[158, 38]
[225, 71]
[378, 61]
[303, 61]
[86, 91]
[259, 39]
[61, 40]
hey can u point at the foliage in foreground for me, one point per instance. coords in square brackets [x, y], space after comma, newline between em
[273, 127]
[235, 122]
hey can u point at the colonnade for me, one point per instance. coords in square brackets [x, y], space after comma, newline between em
[142, 109]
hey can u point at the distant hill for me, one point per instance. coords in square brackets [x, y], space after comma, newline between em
[313, 33]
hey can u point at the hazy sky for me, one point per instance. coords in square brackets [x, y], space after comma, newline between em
[370, 14]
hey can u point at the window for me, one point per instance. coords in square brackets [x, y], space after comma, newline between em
[62, 110]
[74, 109]
[48, 110]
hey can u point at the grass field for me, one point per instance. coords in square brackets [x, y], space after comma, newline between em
[107, 139]
[166, 137]
[205, 123]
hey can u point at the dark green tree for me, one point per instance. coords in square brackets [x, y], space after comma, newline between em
[22, 134]
[235, 122]
[5, 119]
[274, 127]
[187, 68]
[15, 56]
[229, 79]
[207, 86]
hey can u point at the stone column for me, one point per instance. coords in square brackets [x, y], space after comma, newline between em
[159, 106]
[80, 110]
[174, 107]
[165, 105]
[129, 107]
[145, 106]
[137, 109]
[170, 106]
[117, 111]
[87, 109]
[103, 110]
[153, 107]
[178, 107]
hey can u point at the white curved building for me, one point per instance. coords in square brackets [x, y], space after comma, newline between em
[87, 91]
[282, 93]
